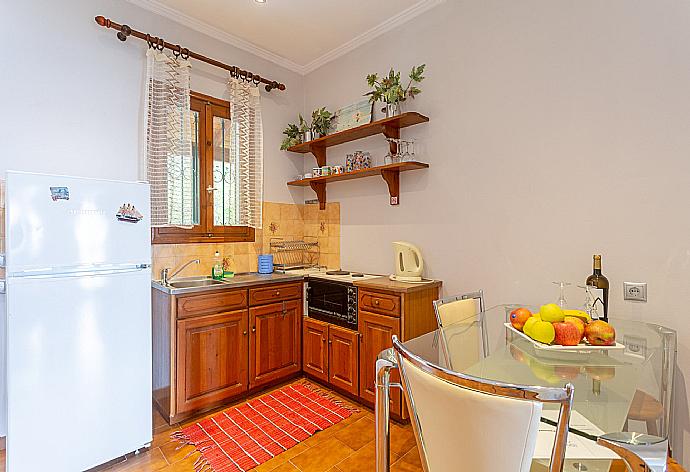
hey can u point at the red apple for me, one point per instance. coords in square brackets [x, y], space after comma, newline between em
[567, 334]
[600, 333]
[519, 317]
[578, 323]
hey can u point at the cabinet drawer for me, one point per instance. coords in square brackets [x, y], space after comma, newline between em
[208, 303]
[274, 293]
[378, 302]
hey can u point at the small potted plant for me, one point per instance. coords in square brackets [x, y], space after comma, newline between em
[389, 89]
[293, 136]
[321, 122]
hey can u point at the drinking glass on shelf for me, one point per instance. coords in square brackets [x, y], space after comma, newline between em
[406, 153]
[388, 159]
[412, 155]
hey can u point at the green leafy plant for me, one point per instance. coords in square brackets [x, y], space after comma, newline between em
[389, 88]
[293, 136]
[321, 121]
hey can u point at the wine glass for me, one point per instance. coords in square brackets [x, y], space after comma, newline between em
[388, 159]
[406, 155]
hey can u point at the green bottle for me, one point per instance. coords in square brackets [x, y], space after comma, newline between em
[217, 270]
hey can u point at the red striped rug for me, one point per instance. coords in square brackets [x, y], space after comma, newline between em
[245, 436]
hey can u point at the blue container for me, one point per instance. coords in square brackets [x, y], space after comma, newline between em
[265, 263]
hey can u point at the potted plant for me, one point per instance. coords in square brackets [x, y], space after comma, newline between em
[389, 89]
[321, 122]
[293, 136]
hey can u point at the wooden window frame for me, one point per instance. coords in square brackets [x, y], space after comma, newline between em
[205, 231]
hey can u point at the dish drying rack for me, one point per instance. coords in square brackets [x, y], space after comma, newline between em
[294, 254]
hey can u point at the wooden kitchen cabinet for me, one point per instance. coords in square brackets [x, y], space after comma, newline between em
[376, 333]
[205, 352]
[274, 342]
[343, 359]
[387, 308]
[331, 354]
[315, 348]
[212, 358]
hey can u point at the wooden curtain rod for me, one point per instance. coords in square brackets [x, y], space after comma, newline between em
[155, 42]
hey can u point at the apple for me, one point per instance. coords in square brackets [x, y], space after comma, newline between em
[579, 324]
[600, 333]
[519, 317]
[566, 334]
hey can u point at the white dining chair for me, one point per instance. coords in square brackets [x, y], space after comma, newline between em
[455, 316]
[467, 423]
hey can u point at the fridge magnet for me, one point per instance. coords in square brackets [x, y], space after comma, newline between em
[128, 213]
[59, 193]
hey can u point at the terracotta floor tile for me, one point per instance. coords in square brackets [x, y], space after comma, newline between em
[402, 439]
[362, 460]
[357, 434]
[285, 467]
[150, 460]
[412, 458]
[323, 456]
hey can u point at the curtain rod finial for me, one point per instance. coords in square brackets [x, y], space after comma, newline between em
[101, 20]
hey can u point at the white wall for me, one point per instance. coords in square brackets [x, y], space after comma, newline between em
[72, 92]
[558, 129]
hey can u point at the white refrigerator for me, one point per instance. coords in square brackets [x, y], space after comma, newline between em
[78, 321]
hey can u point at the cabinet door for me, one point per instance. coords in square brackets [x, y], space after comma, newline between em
[376, 333]
[343, 359]
[211, 359]
[315, 348]
[274, 344]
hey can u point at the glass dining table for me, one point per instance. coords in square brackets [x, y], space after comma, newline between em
[623, 389]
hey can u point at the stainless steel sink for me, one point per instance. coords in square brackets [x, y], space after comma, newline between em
[194, 283]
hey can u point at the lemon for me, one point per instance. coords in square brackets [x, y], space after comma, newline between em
[552, 313]
[528, 325]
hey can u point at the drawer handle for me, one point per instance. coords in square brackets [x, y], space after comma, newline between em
[253, 329]
[244, 333]
[376, 302]
[323, 339]
[330, 342]
[277, 293]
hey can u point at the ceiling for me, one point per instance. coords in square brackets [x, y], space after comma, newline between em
[301, 35]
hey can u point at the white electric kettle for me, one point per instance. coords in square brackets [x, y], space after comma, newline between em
[408, 262]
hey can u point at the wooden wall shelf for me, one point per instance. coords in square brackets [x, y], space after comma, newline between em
[389, 127]
[390, 173]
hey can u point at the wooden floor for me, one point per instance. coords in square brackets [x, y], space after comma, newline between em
[345, 447]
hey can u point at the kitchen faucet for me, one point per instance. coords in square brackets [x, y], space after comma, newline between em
[165, 278]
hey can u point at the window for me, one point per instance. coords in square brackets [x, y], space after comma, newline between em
[209, 178]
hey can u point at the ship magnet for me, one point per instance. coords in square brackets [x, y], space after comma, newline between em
[128, 213]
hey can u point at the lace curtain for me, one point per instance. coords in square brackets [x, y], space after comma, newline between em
[168, 164]
[247, 150]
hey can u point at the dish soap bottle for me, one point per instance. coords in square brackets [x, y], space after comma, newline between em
[217, 270]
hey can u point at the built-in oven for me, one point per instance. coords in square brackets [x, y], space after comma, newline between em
[332, 301]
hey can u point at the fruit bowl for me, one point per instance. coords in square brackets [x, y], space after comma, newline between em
[583, 346]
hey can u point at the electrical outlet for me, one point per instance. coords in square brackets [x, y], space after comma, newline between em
[636, 291]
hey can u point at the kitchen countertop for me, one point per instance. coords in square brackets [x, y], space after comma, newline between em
[249, 279]
[385, 283]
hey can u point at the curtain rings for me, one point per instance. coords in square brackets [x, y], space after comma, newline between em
[149, 41]
[184, 52]
[177, 51]
[248, 78]
[160, 44]
[257, 80]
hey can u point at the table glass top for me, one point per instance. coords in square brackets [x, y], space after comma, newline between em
[626, 389]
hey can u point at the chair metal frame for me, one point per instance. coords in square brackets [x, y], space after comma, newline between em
[558, 395]
[478, 295]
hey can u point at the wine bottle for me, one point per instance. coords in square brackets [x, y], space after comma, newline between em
[599, 287]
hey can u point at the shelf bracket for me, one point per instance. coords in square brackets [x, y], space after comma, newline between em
[320, 189]
[392, 178]
[393, 132]
[319, 153]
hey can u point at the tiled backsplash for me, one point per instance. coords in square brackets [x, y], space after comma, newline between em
[280, 220]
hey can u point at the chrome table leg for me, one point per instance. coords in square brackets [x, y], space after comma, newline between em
[641, 452]
[383, 377]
